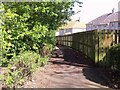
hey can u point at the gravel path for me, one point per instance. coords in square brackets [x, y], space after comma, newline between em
[67, 69]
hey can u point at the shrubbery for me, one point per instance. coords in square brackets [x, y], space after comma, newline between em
[21, 67]
[114, 57]
[29, 28]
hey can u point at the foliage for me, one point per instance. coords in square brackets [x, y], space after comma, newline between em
[28, 26]
[4, 62]
[21, 68]
[114, 57]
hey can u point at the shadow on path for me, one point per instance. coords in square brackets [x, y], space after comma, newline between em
[67, 56]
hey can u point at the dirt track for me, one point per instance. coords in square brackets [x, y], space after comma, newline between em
[68, 70]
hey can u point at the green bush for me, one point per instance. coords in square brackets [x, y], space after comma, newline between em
[3, 62]
[27, 26]
[21, 67]
[114, 57]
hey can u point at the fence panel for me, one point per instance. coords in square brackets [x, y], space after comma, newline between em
[94, 44]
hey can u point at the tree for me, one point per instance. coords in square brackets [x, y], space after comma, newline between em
[27, 26]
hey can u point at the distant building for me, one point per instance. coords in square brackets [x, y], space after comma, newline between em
[107, 21]
[72, 27]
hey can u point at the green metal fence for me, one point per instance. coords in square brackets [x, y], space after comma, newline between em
[94, 44]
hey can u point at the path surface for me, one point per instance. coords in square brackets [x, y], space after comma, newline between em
[2, 71]
[68, 70]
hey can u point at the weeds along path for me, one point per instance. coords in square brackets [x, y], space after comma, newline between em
[67, 69]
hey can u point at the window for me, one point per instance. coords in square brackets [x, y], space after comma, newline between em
[112, 24]
[104, 25]
[118, 24]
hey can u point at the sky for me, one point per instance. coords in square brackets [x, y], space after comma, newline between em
[92, 9]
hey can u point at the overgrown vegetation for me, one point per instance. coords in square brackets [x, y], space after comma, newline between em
[27, 36]
[30, 26]
[114, 57]
[21, 67]
[114, 64]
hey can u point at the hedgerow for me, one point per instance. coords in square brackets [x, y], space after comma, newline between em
[114, 57]
[21, 68]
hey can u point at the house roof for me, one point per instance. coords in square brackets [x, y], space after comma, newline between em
[99, 20]
[106, 18]
[74, 24]
[112, 18]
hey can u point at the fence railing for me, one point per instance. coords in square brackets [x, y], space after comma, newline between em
[94, 44]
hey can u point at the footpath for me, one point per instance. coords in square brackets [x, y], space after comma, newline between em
[68, 69]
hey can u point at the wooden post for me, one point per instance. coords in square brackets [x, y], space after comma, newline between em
[119, 36]
[98, 46]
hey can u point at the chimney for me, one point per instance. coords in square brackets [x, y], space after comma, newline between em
[113, 10]
[78, 19]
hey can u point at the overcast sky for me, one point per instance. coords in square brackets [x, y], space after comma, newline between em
[92, 9]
